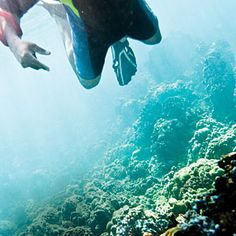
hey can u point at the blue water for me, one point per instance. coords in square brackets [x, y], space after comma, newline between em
[52, 131]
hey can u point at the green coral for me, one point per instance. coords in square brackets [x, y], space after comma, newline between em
[185, 186]
[212, 139]
[143, 178]
[7, 228]
[220, 79]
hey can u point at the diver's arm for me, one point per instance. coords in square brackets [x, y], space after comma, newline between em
[10, 33]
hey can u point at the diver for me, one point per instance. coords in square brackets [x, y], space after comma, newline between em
[88, 28]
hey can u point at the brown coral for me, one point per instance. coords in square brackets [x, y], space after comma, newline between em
[171, 232]
[228, 161]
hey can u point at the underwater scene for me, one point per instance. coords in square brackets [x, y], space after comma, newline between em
[156, 157]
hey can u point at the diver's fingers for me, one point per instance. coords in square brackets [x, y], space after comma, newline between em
[36, 48]
[31, 61]
[37, 65]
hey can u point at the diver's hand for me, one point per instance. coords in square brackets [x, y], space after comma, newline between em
[25, 53]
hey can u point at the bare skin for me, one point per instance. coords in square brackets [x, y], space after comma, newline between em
[24, 51]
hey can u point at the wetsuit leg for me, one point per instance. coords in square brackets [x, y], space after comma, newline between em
[144, 24]
[89, 52]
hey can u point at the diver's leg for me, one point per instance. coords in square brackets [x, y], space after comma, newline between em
[144, 24]
[89, 52]
[89, 57]
[89, 83]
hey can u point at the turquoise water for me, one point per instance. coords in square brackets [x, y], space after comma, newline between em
[66, 153]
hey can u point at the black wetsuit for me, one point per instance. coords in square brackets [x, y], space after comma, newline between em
[103, 22]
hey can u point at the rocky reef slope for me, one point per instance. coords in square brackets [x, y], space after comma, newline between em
[166, 162]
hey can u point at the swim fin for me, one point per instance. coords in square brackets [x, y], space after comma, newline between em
[124, 61]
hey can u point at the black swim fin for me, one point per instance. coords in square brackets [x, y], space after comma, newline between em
[124, 61]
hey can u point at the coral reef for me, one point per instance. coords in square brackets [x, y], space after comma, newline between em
[134, 221]
[189, 183]
[220, 79]
[212, 139]
[96, 207]
[165, 160]
[7, 228]
[215, 213]
[168, 115]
